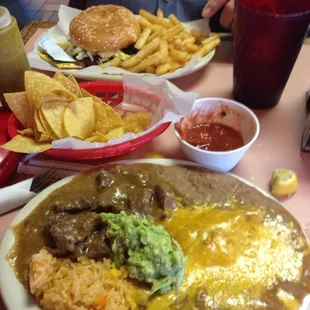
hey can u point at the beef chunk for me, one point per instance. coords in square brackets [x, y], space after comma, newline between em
[113, 200]
[140, 200]
[67, 230]
[128, 198]
[104, 179]
[165, 196]
[94, 246]
[133, 175]
[76, 206]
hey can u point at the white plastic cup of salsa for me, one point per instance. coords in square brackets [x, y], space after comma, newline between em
[236, 116]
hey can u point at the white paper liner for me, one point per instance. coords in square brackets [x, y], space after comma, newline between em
[161, 99]
[49, 46]
[60, 33]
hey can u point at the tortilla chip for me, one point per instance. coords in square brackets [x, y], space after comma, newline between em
[47, 128]
[106, 117]
[79, 118]
[115, 133]
[41, 88]
[54, 113]
[97, 137]
[73, 80]
[21, 108]
[137, 122]
[26, 132]
[85, 94]
[114, 119]
[101, 124]
[21, 144]
[39, 132]
[91, 139]
[68, 84]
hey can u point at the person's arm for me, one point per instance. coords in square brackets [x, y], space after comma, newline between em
[223, 7]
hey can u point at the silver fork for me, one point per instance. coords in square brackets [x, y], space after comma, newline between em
[14, 196]
[44, 180]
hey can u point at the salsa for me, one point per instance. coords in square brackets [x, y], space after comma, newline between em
[213, 137]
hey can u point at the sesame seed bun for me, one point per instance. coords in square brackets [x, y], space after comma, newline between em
[104, 28]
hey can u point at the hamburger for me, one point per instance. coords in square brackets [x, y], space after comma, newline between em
[98, 33]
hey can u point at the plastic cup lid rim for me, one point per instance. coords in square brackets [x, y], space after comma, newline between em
[5, 17]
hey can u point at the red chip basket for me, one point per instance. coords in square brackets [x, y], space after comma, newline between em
[112, 93]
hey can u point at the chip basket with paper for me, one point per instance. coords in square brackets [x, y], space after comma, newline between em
[67, 120]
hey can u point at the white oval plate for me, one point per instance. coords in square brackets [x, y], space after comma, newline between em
[15, 296]
[38, 63]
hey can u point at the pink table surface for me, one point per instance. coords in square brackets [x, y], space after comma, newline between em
[277, 146]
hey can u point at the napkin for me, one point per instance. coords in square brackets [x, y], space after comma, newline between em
[49, 46]
[14, 196]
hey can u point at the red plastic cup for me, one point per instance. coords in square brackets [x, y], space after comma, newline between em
[268, 38]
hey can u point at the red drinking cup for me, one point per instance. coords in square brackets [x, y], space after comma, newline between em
[268, 38]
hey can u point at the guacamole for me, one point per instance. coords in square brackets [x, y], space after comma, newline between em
[146, 250]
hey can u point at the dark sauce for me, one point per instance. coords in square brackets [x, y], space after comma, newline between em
[213, 137]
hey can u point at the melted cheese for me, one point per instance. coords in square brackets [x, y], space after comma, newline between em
[234, 256]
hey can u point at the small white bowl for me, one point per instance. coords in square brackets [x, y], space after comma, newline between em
[227, 112]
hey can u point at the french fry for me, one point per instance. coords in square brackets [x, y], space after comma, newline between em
[154, 19]
[178, 56]
[150, 69]
[144, 23]
[207, 48]
[184, 35]
[170, 46]
[173, 32]
[163, 68]
[123, 56]
[201, 38]
[150, 61]
[157, 28]
[143, 38]
[146, 50]
[196, 34]
[157, 34]
[163, 49]
[191, 48]
[171, 40]
[160, 13]
[210, 38]
[174, 66]
[115, 62]
[164, 23]
[174, 20]
[190, 40]
[178, 44]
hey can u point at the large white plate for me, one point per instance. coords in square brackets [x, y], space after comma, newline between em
[38, 63]
[13, 293]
